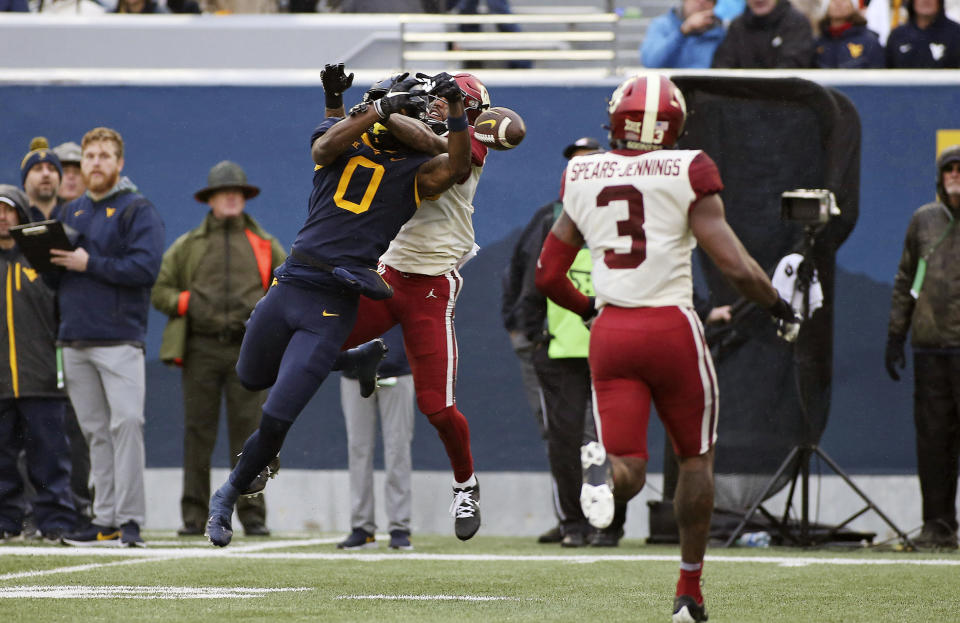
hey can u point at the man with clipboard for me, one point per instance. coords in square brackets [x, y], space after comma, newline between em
[32, 407]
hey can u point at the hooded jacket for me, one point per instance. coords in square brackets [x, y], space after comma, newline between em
[109, 302]
[933, 318]
[781, 39]
[935, 47]
[28, 343]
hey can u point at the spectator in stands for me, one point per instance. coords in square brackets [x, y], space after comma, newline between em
[40, 174]
[685, 37]
[924, 303]
[770, 34]
[382, 6]
[104, 299]
[32, 406]
[210, 279]
[845, 42]
[14, 6]
[226, 7]
[394, 400]
[143, 7]
[71, 186]
[929, 39]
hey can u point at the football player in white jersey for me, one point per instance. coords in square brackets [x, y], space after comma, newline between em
[641, 208]
[421, 265]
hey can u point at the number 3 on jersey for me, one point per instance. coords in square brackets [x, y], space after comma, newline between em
[632, 226]
[372, 185]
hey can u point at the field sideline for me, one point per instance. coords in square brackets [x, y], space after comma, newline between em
[304, 578]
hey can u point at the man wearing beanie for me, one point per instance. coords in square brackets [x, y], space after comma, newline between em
[104, 297]
[40, 174]
[210, 279]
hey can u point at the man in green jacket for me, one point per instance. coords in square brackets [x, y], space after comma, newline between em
[926, 303]
[210, 279]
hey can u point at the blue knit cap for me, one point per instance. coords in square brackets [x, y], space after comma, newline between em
[39, 152]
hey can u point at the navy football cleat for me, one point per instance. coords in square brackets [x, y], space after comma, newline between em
[219, 528]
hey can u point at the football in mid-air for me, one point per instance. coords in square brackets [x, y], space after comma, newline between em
[499, 128]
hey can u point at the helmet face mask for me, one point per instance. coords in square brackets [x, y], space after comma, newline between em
[378, 135]
[647, 112]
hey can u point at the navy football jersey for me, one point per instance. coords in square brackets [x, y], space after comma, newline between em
[358, 204]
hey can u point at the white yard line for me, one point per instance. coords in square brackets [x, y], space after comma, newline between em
[431, 597]
[256, 552]
[139, 592]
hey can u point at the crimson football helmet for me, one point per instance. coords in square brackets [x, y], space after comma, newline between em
[476, 99]
[647, 112]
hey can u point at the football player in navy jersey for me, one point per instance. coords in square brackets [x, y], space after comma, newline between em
[361, 196]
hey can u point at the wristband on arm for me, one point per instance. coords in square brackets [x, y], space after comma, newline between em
[457, 124]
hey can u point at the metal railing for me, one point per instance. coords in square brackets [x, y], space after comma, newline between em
[572, 38]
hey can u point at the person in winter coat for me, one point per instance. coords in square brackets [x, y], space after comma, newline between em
[770, 34]
[845, 42]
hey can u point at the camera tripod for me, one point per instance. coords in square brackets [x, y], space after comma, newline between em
[797, 461]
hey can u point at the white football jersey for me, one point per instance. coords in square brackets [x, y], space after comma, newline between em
[441, 231]
[632, 209]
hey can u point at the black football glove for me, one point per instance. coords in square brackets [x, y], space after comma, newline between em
[591, 313]
[335, 82]
[443, 85]
[894, 358]
[405, 97]
[788, 322]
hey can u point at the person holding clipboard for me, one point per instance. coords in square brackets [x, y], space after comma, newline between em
[32, 406]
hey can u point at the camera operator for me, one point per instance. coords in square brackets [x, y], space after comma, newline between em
[925, 303]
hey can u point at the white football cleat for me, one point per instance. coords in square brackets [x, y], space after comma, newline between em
[596, 494]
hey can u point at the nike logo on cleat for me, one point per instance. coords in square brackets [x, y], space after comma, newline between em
[109, 536]
[328, 314]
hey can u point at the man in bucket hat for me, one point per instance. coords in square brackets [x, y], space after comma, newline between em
[210, 279]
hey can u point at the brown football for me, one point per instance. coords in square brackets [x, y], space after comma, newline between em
[499, 128]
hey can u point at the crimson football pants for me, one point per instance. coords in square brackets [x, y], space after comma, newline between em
[652, 353]
[424, 306]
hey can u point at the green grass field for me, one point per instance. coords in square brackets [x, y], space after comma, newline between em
[305, 578]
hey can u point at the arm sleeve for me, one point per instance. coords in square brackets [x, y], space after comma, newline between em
[704, 176]
[321, 129]
[142, 236]
[555, 260]
[901, 303]
[661, 44]
[167, 291]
